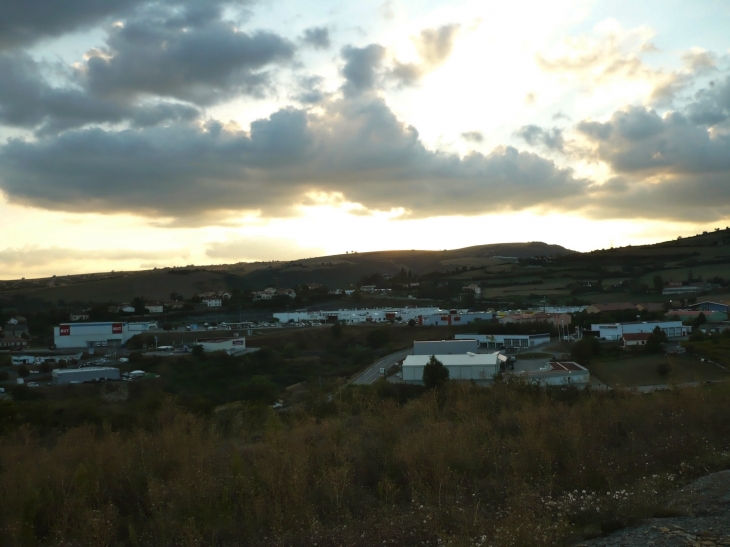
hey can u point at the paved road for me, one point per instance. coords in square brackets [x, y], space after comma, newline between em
[372, 373]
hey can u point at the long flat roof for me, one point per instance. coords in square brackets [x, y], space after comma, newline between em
[62, 371]
[459, 359]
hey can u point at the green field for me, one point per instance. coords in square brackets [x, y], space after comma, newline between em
[641, 370]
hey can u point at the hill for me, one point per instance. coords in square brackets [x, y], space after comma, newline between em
[333, 271]
[513, 273]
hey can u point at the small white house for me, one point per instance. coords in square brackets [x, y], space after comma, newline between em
[213, 302]
[154, 308]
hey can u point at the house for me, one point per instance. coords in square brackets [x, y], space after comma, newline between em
[556, 319]
[213, 302]
[16, 326]
[368, 288]
[154, 308]
[607, 308]
[636, 339]
[13, 342]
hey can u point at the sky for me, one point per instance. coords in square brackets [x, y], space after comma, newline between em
[147, 133]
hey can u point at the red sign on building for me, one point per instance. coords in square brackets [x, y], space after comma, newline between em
[64, 330]
[116, 328]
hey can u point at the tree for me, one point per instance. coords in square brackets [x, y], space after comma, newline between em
[45, 367]
[198, 351]
[411, 322]
[658, 283]
[663, 369]
[4, 375]
[435, 374]
[139, 303]
[23, 371]
[699, 320]
[660, 334]
[653, 344]
[336, 330]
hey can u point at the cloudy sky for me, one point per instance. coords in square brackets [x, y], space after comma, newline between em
[138, 133]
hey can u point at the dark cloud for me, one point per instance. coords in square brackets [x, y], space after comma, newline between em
[434, 46]
[711, 106]
[361, 67]
[669, 166]
[204, 63]
[357, 148]
[535, 135]
[639, 140]
[317, 37]
[473, 136]
[24, 22]
[28, 100]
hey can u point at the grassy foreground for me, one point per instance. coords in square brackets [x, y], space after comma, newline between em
[509, 465]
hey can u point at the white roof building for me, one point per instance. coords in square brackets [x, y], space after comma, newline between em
[480, 367]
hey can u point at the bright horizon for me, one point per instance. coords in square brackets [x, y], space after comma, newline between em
[154, 133]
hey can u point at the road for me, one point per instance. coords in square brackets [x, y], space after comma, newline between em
[372, 373]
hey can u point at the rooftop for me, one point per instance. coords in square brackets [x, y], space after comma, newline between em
[460, 359]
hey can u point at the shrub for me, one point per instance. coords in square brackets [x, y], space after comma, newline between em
[664, 368]
[23, 371]
[45, 367]
[136, 357]
[4, 375]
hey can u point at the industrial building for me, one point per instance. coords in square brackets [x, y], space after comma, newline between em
[616, 331]
[467, 366]
[506, 340]
[444, 347]
[454, 317]
[229, 345]
[81, 375]
[423, 316]
[563, 373]
[92, 335]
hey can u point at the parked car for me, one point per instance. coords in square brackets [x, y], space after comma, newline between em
[33, 384]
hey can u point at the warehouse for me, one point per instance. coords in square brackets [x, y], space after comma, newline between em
[563, 373]
[468, 366]
[507, 340]
[81, 375]
[95, 335]
[615, 331]
[229, 345]
[444, 347]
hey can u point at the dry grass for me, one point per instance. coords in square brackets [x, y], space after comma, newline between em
[510, 465]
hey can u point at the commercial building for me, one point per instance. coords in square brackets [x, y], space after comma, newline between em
[615, 331]
[563, 373]
[454, 317]
[506, 340]
[467, 366]
[81, 375]
[229, 345]
[91, 335]
[444, 347]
